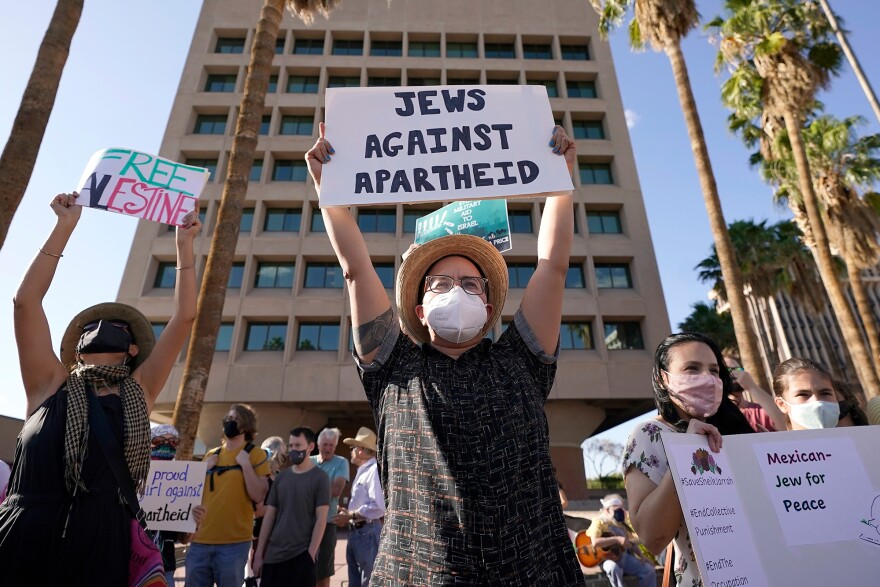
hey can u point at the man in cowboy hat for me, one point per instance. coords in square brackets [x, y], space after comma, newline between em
[464, 442]
[365, 510]
[612, 531]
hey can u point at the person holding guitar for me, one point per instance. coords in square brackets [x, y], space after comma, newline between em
[617, 545]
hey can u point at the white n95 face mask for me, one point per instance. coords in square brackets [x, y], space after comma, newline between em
[456, 316]
[815, 415]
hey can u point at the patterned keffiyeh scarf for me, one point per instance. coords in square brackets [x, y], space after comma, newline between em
[135, 419]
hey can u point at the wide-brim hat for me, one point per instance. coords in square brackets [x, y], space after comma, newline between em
[411, 278]
[141, 330]
[365, 438]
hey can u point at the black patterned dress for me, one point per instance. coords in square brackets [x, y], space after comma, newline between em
[95, 549]
[464, 459]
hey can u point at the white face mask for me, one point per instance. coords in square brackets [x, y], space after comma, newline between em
[456, 316]
[814, 415]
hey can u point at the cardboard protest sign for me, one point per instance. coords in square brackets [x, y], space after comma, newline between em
[173, 489]
[141, 185]
[777, 508]
[437, 143]
[486, 219]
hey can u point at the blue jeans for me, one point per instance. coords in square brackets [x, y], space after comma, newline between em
[360, 554]
[630, 565]
[223, 564]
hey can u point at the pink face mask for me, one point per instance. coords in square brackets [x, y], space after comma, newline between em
[698, 395]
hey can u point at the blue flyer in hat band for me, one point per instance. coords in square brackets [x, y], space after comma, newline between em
[486, 219]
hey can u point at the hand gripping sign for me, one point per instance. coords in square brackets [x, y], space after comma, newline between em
[141, 185]
[438, 143]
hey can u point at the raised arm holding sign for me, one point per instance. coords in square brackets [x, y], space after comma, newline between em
[434, 366]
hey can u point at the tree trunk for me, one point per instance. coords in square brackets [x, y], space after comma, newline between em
[29, 126]
[869, 321]
[745, 337]
[853, 60]
[212, 296]
[852, 335]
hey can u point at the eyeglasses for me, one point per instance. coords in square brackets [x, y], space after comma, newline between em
[444, 283]
[120, 324]
[160, 440]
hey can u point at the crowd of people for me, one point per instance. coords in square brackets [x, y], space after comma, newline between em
[454, 485]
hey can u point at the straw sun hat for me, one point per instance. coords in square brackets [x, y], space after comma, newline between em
[411, 278]
[365, 438]
[141, 330]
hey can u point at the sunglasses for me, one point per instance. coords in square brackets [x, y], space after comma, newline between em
[160, 440]
[120, 324]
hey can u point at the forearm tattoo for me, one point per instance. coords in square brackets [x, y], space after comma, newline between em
[368, 337]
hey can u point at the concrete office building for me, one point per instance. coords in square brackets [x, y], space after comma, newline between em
[285, 340]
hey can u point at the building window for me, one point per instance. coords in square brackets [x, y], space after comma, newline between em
[575, 52]
[623, 336]
[308, 46]
[279, 44]
[274, 275]
[574, 277]
[595, 173]
[613, 276]
[344, 81]
[348, 47]
[209, 164]
[382, 82]
[462, 50]
[220, 82]
[386, 274]
[491, 81]
[158, 327]
[296, 125]
[551, 85]
[499, 50]
[424, 49]
[236, 276]
[289, 170]
[302, 84]
[518, 274]
[588, 129]
[266, 336]
[604, 222]
[575, 336]
[409, 220]
[247, 221]
[229, 45]
[461, 81]
[520, 220]
[273, 84]
[166, 275]
[318, 337]
[265, 124]
[377, 220]
[581, 89]
[537, 51]
[324, 275]
[210, 124]
[317, 222]
[386, 48]
[422, 81]
[257, 170]
[224, 337]
[282, 220]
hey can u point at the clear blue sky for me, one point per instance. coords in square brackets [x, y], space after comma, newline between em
[122, 75]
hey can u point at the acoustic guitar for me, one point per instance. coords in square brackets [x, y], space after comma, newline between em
[590, 555]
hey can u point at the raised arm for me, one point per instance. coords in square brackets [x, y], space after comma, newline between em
[542, 301]
[41, 371]
[371, 313]
[153, 373]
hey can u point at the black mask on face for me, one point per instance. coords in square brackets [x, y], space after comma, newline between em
[104, 338]
[230, 429]
[619, 515]
[297, 456]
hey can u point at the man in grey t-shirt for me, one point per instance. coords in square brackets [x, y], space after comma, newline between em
[296, 514]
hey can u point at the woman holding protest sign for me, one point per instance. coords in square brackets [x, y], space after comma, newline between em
[691, 381]
[64, 521]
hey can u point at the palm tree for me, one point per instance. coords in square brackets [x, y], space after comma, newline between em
[200, 354]
[784, 50]
[718, 326]
[29, 126]
[663, 24]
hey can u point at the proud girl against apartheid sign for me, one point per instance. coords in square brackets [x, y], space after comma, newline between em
[141, 185]
[440, 143]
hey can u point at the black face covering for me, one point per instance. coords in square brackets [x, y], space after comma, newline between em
[104, 338]
[619, 515]
[230, 429]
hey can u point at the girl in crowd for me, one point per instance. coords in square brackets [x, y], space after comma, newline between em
[805, 393]
[63, 521]
[691, 382]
